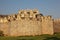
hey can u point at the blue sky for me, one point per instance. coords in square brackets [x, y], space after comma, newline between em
[46, 7]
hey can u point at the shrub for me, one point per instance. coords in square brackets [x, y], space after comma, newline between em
[1, 33]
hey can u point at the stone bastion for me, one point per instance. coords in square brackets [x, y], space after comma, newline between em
[26, 23]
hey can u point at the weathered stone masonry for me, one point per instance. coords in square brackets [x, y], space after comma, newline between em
[26, 22]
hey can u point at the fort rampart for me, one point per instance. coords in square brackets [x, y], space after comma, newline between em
[26, 22]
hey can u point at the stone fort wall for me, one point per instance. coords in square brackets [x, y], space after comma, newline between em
[56, 25]
[26, 22]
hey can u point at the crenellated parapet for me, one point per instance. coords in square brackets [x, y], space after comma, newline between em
[28, 13]
[47, 17]
[3, 20]
[56, 20]
[24, 14]
[21, 15]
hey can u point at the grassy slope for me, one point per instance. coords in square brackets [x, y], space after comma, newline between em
[41, 37]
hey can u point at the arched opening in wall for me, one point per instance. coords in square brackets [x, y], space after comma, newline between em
[28, 13]
[22, 16]
[30, 18]
[38, 17]
[39, 20]
[9, 20]
[1, 33]
[34, 12]
[15, 16]
[14, 19]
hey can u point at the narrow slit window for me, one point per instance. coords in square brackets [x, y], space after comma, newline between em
[34, 12]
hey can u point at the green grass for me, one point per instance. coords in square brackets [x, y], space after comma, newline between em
[41, 37]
